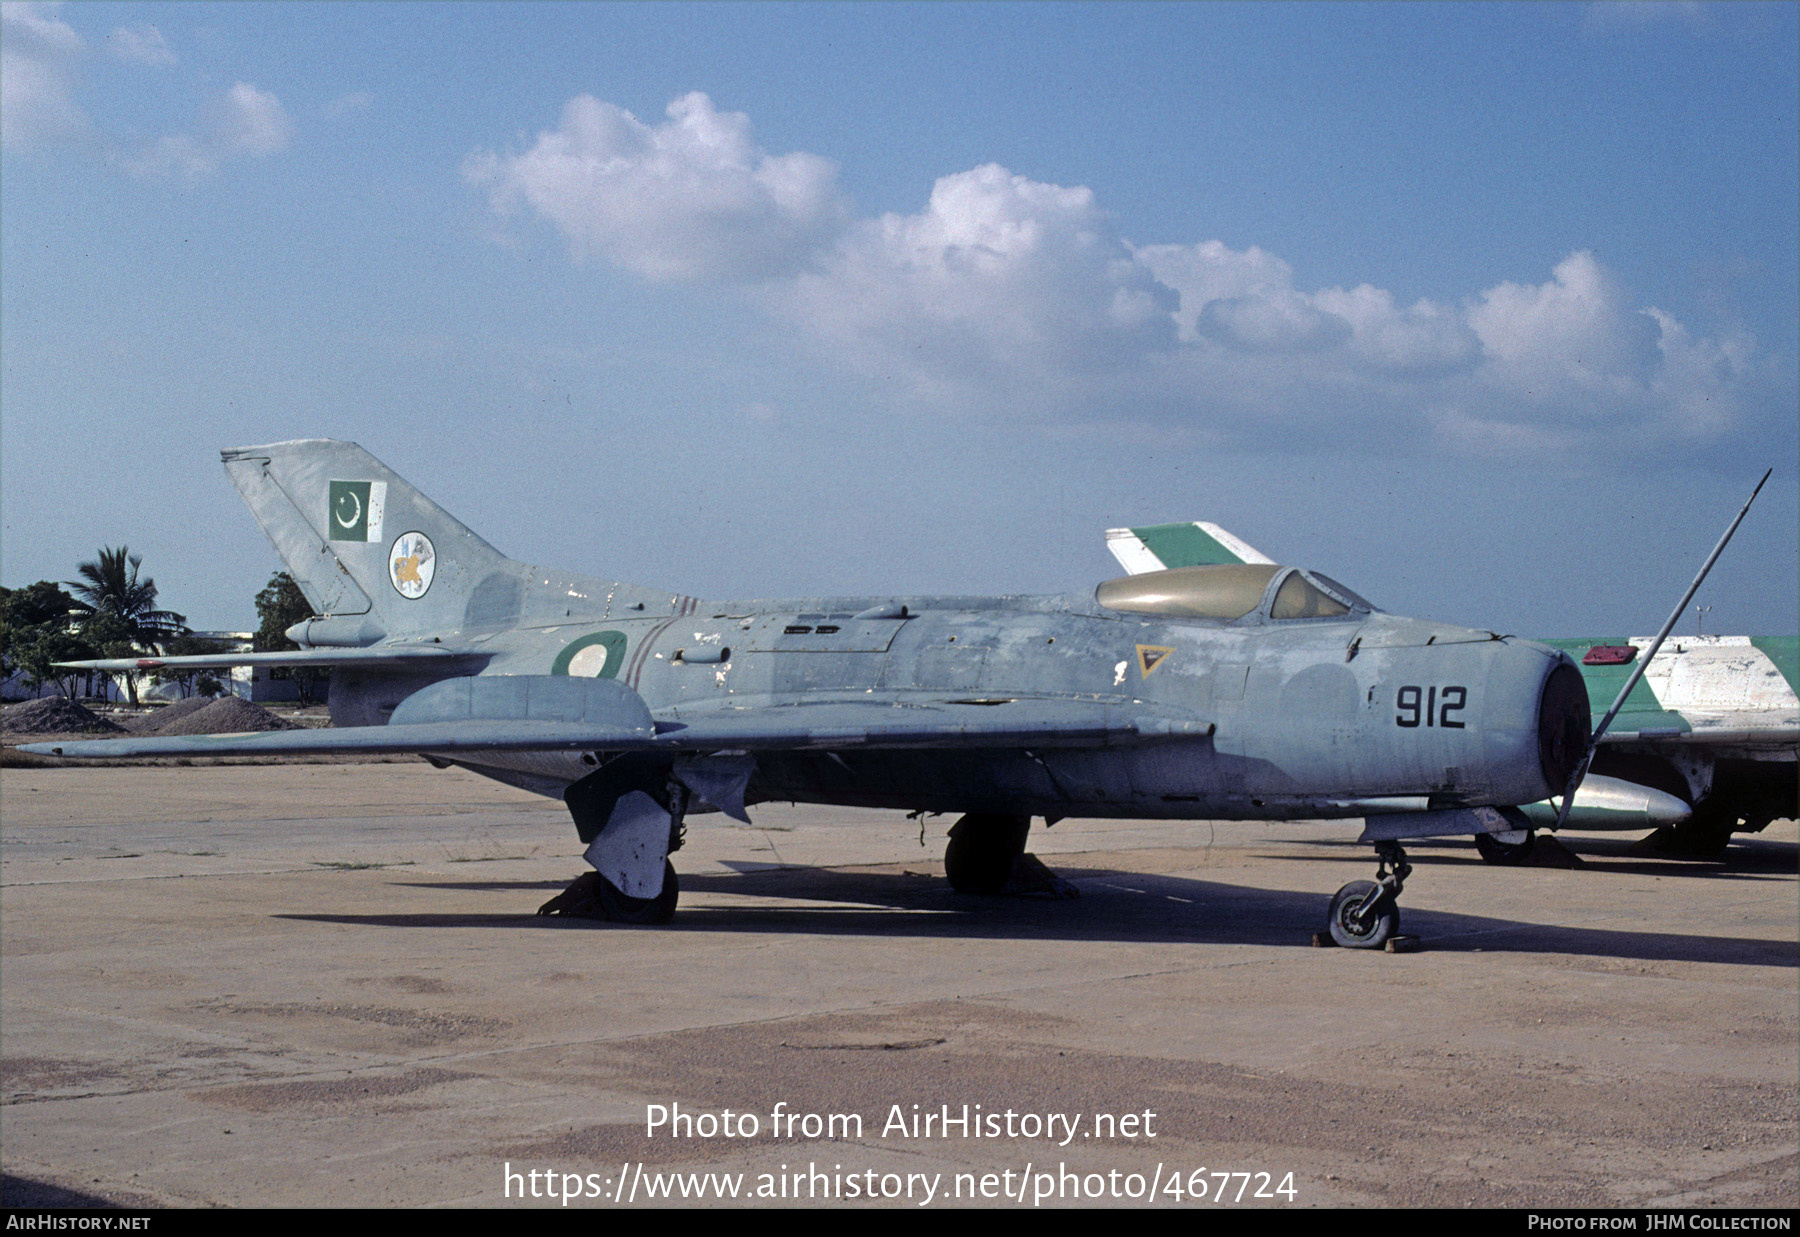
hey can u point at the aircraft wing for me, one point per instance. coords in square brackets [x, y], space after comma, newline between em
[1156, 547]
[1710, 691]
[1028, 721]
[559, 713]
[1746, 729]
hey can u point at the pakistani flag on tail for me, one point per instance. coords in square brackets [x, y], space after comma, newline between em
[354, 510]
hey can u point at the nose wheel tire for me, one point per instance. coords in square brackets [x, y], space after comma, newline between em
[1363, 916]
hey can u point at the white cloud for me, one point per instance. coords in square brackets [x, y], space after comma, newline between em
[1570, 361]
[1249, 300]
[38, 53]
[245, 122]
[1210, 272]
[254, 122]
[1006, 295]
[37, 67]
[35, 27]
[1579, 320]
[1000, 275]
[692, 198]
[1287, 322]
[143, 44]
[1574, 342]
[1427, 338]
[1701, 381]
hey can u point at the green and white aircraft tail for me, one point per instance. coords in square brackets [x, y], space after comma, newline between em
[384, 561]
[1158, 547]
[405, 593]
[1704, 746]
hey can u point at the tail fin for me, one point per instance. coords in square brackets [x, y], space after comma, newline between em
[360, 541]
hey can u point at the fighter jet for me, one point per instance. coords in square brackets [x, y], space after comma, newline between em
[1704, 746]
[1238, 690]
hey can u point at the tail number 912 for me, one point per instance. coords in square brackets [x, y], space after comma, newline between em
[1430, 706]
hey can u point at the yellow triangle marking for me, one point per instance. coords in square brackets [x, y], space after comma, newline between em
[1150, 656]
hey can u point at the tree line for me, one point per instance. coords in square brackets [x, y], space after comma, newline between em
[111, 611]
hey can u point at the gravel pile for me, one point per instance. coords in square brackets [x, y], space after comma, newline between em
[226, 715]
[52, 715]
[156, 719]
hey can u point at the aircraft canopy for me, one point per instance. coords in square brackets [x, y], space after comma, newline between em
[1228, 591]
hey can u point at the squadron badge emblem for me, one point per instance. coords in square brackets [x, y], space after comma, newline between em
[411, 565]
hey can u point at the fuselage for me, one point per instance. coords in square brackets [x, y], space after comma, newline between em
[1329, 716]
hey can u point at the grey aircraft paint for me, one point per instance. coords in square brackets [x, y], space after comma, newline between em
[1704, 746]
[1175, 695]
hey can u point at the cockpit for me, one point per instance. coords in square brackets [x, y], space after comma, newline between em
[1230, 591]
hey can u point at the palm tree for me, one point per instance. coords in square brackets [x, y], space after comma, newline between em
[113, 587]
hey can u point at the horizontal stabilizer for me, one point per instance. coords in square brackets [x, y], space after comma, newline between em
[454, 738]
[402, 655]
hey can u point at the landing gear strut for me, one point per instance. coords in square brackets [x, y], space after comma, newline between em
[982, 849]
[1363, 913]
[1506, 850]
[630, 829]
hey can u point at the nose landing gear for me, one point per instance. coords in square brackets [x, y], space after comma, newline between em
[1364, 914]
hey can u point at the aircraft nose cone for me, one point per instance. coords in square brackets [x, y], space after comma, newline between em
[1565, 723]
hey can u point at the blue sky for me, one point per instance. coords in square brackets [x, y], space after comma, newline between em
[1489, 311]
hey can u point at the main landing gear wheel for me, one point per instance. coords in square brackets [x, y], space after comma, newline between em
[1704, 835]
[1363, 916]
[982, 849]
[592, 896]
[622, 908]
[1497, 850]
